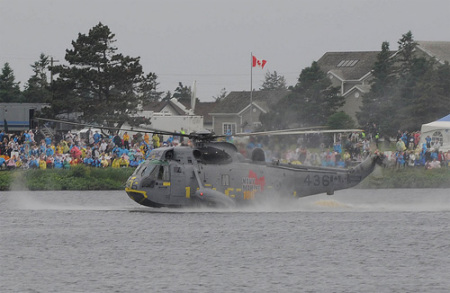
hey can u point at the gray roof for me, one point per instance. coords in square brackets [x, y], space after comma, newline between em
[438, 50]
[348, 65]
[235, 102]
[158, 106]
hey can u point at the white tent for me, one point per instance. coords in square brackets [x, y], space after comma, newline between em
[438, 130]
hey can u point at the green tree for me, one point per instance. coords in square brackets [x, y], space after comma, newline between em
[182, 93]
[167, 96]
[430, 97]
[100, 83]
[311, 102]
[9, 88]
[377, 105]
[273, 81]
[314, 99]
[148, 89]
[406, 47]
[221, 95]
[417, 95]
[340, 120]
[407, 90]
[37, 89]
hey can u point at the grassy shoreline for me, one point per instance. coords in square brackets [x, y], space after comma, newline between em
[85, 178]
[415, 177]
[75, 178]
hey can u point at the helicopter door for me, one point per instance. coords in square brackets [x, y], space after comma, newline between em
[162, 182]
[181, 177]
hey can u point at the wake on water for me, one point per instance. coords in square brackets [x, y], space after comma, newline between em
[350, 200]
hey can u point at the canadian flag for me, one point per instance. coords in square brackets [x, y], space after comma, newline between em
[259, 63]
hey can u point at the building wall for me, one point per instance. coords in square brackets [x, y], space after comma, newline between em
[353, 102]
[218, 122]
[17, 115]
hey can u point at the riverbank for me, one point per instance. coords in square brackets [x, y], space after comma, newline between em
[85, 178]
[415, 177]
[75, 178]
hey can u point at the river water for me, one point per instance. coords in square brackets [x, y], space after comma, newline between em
[355, 241]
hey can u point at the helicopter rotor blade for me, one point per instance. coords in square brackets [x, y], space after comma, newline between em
[137, 129]
[292, 132]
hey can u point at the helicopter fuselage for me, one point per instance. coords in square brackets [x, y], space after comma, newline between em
[216, 174]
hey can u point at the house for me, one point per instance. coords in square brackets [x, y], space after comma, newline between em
[439, 51]
[236, 112]
[351, 72]
[172, 115]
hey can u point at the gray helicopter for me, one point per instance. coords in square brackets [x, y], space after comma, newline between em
[214, 173]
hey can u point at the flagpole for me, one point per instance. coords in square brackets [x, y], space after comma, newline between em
[251, 91]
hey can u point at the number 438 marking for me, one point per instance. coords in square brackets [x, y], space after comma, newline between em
[317, 180]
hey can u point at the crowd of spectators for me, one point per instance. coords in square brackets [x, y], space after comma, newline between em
[31, 149]
[409, 152]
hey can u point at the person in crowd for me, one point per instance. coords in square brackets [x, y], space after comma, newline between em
[156, 141]
[126, 140]
[67, 162]
[104, 161]
[117, 140]
[88, 161]
[11, 163]
[50, 161]
[123, 162]
[428, 141]
[58, 163]
[97, 137]
[75, 152]
[42, 162]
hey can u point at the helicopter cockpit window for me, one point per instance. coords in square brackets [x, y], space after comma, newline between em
[166, 176]
[147, 170]
[160, 172]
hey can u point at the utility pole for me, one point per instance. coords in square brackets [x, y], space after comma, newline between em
[51, 76]
[51, 70]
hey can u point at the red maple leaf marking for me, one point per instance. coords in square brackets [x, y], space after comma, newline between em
[258, 181]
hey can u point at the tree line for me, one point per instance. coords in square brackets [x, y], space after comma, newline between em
[106, 87]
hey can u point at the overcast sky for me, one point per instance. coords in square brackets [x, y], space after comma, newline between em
[212, 41]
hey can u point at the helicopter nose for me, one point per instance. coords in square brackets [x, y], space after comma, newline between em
[130, 183]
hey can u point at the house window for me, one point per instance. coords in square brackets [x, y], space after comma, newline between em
[229, 127]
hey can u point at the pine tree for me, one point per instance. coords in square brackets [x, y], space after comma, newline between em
[273, 81]
[37, 89]
[9, 88]
[311, 102]
[221, 95]
[377, 105]
[148, 89]
[314, 98]
[182, 93]
[100, 83]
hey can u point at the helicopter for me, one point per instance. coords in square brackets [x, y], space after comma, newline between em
[209, 172]
[215, 173]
